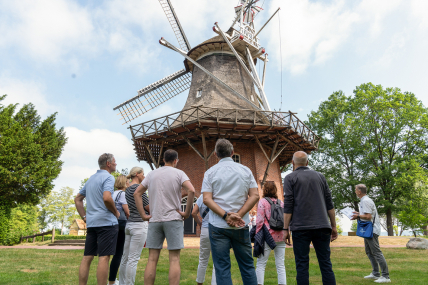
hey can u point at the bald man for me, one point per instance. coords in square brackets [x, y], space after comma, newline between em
[309, 214]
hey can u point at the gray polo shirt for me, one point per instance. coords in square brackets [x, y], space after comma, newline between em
[367, 206]
[97, 214]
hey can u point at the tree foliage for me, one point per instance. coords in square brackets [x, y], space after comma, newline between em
[29, 154]
[60, 207]
[377, 137]
[23, 222]
[29, 157]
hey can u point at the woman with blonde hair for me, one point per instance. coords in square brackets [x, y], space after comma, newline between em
[263, 215]
[122, 206]
[135, 231]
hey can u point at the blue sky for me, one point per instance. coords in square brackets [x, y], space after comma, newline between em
[82, 58]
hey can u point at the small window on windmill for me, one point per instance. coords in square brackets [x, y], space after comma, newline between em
[252, 98]
[199, 93]
[236, 158]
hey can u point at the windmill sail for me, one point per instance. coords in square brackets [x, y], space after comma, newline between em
[175, 24]
[154, 95]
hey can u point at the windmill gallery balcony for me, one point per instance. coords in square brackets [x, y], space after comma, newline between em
[280, 133]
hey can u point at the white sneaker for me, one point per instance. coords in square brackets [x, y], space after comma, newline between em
[371, 276]
[383, 280]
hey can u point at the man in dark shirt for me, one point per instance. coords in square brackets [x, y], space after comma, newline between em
[309, 214]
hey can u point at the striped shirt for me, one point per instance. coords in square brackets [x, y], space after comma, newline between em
[134, 215]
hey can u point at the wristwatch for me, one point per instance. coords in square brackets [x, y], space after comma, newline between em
[285, 229]
[225, 216]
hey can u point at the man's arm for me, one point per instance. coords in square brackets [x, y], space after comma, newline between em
[139, 202]
[253, 197]
[287, 220]
[366, 216]
[195, 215]
[78, 201]
[108, 201]
[332, 215]
[190, 196]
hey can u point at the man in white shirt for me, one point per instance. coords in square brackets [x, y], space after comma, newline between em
[368, 212]
[230, 191]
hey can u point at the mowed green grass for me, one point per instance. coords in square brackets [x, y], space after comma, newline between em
[36, 266]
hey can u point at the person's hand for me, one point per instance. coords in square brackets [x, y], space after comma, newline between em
[287, 237]
[355, 216]
[184, 215]
[333, 234]
[234, 220]
[146, 218]
[117, 214]
[84, 219]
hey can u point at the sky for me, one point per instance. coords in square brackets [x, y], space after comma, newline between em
[83, 58]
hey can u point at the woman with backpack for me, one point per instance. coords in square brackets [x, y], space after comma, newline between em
[270, 220]
[122, 206]
[135, 231]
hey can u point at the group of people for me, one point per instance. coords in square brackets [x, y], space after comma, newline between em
[122, 222]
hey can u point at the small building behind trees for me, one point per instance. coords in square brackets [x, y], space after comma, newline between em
[78, 228]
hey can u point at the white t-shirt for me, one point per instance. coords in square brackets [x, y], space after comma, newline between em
[121, 201]
[164, 187]
[230, 183]
[367, 206]
[202, 208]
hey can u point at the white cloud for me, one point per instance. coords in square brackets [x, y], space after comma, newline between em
[47, 30]
[83, 148]
[312, 32]
[24, 92]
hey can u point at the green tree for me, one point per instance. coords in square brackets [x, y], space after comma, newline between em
[377, 137]
[61, 206]
[29, 158]
[22, 223]
[338, 226]
[354, 226]
[43, 214]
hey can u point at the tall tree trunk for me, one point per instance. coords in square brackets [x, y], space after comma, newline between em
[62, 227]
[389, 224]
[426, 231]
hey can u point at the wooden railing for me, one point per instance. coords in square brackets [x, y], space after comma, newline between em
[40, 234]
[238, 116]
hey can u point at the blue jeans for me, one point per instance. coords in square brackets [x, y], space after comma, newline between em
[221, 242]
[320, 239]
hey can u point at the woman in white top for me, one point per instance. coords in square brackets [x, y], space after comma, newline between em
[122, 206]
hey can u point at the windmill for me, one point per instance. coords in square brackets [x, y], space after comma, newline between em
[226, 99]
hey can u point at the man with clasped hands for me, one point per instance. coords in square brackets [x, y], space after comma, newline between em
[230, 192]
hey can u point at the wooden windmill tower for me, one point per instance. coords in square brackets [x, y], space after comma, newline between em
[226, 100]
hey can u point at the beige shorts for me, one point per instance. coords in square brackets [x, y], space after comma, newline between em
[173, 231]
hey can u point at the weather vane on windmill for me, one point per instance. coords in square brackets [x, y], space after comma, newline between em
[226, 100]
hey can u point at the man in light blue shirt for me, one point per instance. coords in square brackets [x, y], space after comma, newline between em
[101, 219]
[230, 192]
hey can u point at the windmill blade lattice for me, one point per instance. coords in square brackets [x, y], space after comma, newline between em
[175, 24]
[154, 95]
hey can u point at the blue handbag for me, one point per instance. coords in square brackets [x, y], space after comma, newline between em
[365, 228]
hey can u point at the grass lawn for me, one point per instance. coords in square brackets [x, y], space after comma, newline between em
[37, 266]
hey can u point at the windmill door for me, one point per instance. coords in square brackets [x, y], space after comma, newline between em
[189, 223]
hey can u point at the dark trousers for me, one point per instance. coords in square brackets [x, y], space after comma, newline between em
[221, 241]
[320, 239]
[117, 257]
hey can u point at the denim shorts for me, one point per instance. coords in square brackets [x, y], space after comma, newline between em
[173, 231]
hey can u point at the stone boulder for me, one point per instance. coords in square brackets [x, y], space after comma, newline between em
[417, 243]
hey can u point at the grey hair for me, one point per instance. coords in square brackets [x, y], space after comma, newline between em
[362, 188]
[134, 171]
[223, 148]
[102, 160]
[300, 160]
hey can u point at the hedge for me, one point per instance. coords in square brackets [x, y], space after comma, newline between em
[57, 237]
